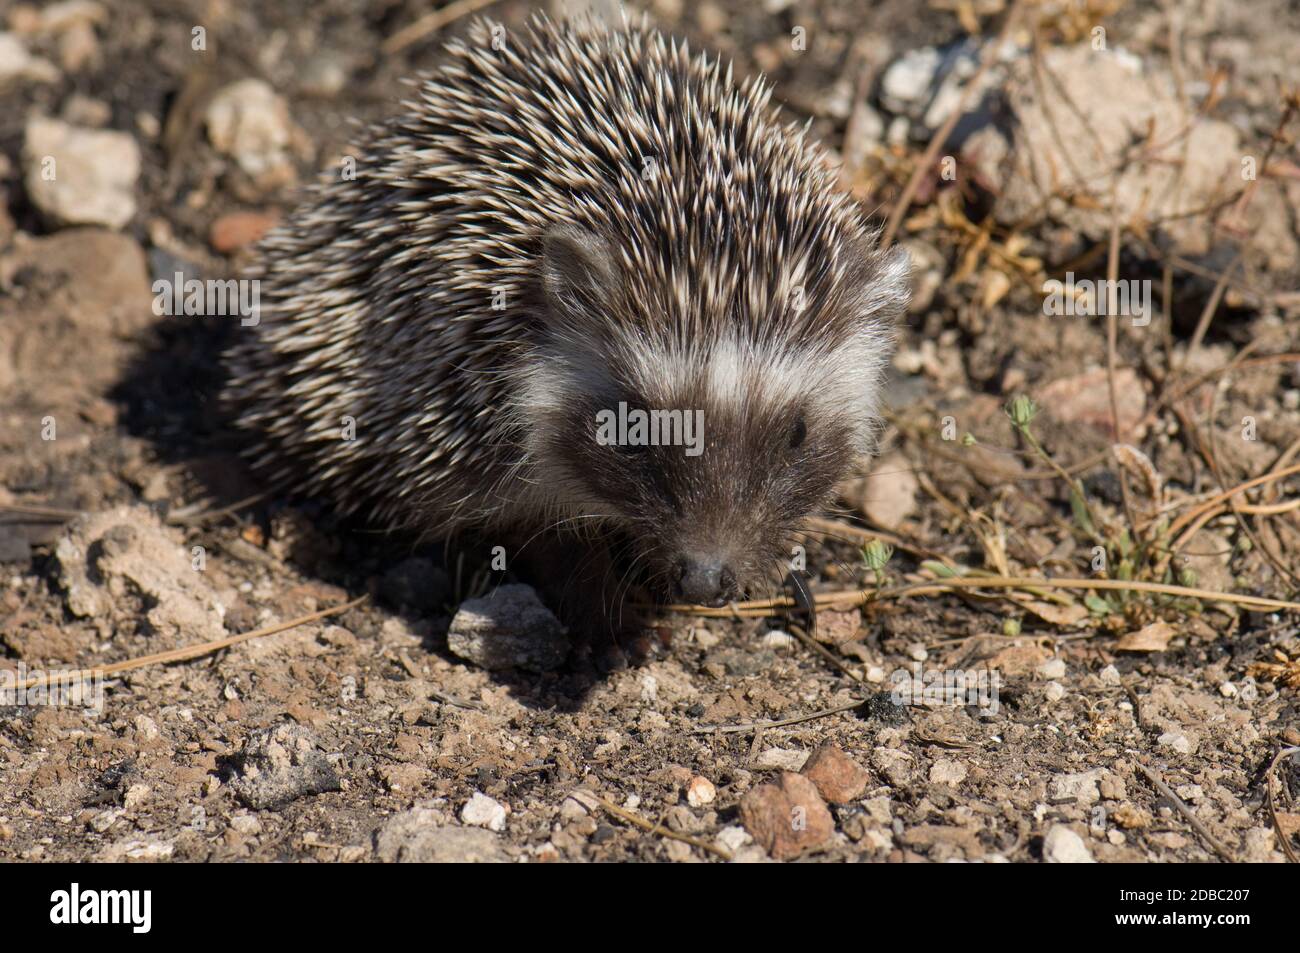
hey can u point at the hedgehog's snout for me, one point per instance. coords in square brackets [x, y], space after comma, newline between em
[705, 579]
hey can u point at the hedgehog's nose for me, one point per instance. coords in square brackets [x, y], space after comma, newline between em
[705, 580]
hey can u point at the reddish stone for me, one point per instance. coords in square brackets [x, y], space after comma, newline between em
[838, 777]
[788, 818]
[233, 231]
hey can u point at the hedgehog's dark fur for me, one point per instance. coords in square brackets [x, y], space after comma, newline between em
[581, 217]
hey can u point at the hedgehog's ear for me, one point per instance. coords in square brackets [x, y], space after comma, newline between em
[577, 272]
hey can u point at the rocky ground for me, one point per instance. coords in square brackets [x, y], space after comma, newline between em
[429, 723]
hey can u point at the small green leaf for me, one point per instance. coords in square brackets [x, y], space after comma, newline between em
[1096, 604]
[1022, 410]
[1080, 510]
[876, 554]
[942, 570]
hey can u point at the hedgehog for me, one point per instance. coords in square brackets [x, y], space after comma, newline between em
[573, 225]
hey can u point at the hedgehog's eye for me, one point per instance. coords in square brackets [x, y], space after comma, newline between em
[631, 449]
[798, 432]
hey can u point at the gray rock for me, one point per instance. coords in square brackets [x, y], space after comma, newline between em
[103, 555]
[281, 764]
[508, 628]
[420, 836]
[1078, 788]
[926, 85]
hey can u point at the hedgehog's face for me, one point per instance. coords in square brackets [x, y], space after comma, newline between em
[708, 453]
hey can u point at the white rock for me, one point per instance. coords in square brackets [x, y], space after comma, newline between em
[1175, 740]
[136, 849]
[905, 87]
[1078, 788]
[249, 121]
[649, 689]
[947, 771]
[17, 65]
[782, 759]
[1110, 676]
[246, 824]
[1063, 846]
[1052, 669]
[58, 17]
[700, 791]
[146, 729]
[1054, 691]
[79, 176]
[136, 796]
[778, 640]
[102, 821]
[483, 811]
[733, 838]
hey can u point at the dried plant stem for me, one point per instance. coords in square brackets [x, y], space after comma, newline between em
[638, 821]
[431, 22]
[843, 598]
[1184, 810]
[185, 653]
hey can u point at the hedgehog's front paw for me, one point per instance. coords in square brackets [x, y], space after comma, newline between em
[604, 646]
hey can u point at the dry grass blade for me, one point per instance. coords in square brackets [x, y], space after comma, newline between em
[185, 653]
[1283, 837]
[842, 598]
[1184, 810]
[650, 828]
[781, 723]
[432, 22]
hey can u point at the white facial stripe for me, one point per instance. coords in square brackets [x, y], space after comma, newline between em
[844, 382]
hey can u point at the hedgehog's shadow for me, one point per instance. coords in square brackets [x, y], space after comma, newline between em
[168, 396]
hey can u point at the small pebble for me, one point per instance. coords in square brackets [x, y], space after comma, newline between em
[483, 811]
[700, 791]
[1063, 846]
[1052, 668]
[246, 824]
[947, 771]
